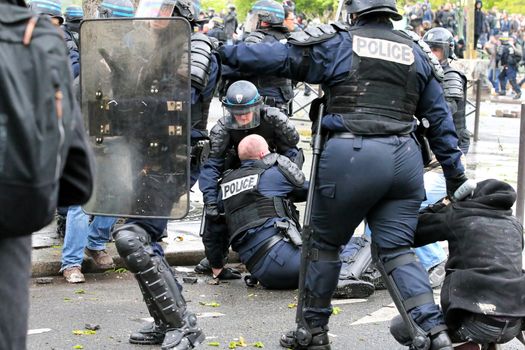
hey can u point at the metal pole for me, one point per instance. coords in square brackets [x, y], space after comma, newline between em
[469, 39]
[521, 168]
[476, 116]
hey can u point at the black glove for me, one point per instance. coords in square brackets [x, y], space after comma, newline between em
[212, 211]
[453, 183]
[228, 273]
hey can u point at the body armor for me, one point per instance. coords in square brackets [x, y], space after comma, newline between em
[379, 96]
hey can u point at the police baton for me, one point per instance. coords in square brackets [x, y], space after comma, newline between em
[307, 228]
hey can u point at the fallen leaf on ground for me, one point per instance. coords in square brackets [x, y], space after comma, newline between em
[336, 310]
[212, 304]
[84, 332]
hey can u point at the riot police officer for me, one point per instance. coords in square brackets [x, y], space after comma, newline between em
[276, 91]
[245, 114]
[375, 81]
[73, 15]
[441, 42]
[507, 58]
[262, 220]
[136, 241]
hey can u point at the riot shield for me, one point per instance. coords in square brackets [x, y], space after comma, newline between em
[135, 88]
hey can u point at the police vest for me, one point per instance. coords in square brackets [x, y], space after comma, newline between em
[379, 96]
[270, 81]
[244, 206]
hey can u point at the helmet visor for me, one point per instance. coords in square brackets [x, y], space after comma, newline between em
[242, 117]
[155, 8]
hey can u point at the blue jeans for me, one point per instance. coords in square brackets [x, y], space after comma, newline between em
[431, 254]
[81, 234]
[493, 78]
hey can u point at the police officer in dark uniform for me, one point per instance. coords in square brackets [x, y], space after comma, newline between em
[276, 91]
[375, 81]
[73, 15]
[136, 241]
[217, 31]
[262, 220]
[245, 115]
[441, 42]
[508, 58]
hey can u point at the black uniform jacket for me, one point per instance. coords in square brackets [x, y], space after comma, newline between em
[484, 268]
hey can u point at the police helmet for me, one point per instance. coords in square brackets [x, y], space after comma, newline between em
[243, 104]
[51, 8]
[188, 9]
[115, 8]
[364, 7]
[74, 13]
[269, 11]
[440, 37]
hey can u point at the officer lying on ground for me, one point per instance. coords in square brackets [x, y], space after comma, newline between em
[262, 220]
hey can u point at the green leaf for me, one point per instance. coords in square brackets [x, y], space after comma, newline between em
[78, 347]
[80, 291]
[336, 310]
[233, 345]
[212, 304]
[258, 344]
[84, 332]
[292, 305]
[214, 343]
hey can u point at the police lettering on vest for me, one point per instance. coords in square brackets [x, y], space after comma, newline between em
[383, 50]
[237, 186]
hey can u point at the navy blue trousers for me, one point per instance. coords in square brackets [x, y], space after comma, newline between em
[379, 179]
[279, 268]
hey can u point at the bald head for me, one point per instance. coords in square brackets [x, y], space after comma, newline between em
[253, 147]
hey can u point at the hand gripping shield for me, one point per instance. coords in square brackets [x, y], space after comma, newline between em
[135, 85]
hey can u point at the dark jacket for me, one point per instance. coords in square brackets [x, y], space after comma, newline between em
[484, 269]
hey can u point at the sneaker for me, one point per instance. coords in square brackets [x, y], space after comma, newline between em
[502, 93]
[73, 275]
[517, 96]
[436, 275]
[101, 258]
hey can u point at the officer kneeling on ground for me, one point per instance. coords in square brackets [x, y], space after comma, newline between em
[262, 220]
[482, 295]
[245, 115]
[375, 79]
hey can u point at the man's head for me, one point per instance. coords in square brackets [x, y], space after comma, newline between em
[115, 9]
[252, 147]
[242, 103]
[73, 13]
[269, 13]
[358, 8]
[51, 8]
[289, 18]
[441, 43]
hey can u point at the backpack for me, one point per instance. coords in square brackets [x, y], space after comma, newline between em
[38, 117]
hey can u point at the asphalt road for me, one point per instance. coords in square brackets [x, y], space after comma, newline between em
[113, 301]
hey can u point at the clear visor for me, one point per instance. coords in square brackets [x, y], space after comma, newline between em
[155, 8]
[243, 117]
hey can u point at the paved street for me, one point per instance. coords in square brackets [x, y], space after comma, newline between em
[113, 301]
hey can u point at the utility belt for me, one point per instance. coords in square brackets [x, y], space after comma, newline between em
[286, 231]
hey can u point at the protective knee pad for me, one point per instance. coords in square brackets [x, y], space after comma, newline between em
[131, 242]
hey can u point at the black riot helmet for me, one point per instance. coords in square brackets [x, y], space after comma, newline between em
[269, 11]
[243, 105]
[442, 38]
[364, 7]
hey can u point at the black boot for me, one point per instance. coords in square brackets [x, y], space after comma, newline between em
[203, 267]
[186, 337]
[301, 339]
[441, 341]
[149, 334]
[351, 288]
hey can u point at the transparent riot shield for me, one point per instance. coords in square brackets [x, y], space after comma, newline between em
[135, 88]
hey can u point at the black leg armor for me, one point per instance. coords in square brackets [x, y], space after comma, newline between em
[160, 289]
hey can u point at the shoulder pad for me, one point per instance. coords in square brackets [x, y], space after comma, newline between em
[219, 139]
[273, 112]
[269, 160]
[215, 43]
[254, 38]
[290, 170]
[437, 70]
[453, 84]
[314, 35]
[201, 50]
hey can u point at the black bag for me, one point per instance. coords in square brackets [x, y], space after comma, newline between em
[40, 125]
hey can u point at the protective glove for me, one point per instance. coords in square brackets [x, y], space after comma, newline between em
[453, 183]
[212, 211]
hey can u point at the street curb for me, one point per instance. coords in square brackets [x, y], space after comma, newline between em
[47, 261]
